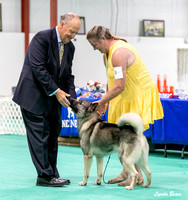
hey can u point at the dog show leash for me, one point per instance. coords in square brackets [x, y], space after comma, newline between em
[105, 169]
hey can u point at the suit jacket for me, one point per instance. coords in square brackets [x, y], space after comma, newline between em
[41, 74]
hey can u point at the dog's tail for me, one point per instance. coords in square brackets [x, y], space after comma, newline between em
[134, 120]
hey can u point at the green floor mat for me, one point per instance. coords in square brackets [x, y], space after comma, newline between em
[18, 176]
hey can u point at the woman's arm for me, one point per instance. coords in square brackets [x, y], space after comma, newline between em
[121, 58]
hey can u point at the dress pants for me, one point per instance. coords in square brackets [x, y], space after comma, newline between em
[42, 135]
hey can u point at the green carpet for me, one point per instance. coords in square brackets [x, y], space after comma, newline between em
[18, 176]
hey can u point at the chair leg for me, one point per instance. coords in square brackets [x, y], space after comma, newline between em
[182, 152]
[165, 151]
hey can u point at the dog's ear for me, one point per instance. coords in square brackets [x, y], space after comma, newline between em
[92, 107]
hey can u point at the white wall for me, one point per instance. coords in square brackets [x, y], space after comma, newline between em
[11, 60]
[11, 15]
[87, 64]
[39, 15]
[159, 55]
[123, 17]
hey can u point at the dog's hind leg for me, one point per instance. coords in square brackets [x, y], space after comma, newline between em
[134, 174]
[147, 172]
[148, 176]
[143, 163]
[87, 166]
[99, 170]
[140, 180]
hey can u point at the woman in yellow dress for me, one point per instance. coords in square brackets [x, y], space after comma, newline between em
[130, 87]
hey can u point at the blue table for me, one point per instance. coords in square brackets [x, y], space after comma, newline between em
[172, 129]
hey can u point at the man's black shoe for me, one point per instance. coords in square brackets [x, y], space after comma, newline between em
[51, 182]
[67, 180]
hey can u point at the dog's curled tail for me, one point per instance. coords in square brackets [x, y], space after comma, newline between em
[134, 120]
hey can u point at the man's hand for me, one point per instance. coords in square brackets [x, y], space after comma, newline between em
[62, 98]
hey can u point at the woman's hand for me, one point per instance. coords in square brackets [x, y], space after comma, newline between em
[101, 108]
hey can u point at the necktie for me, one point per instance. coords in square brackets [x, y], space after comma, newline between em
[61, 50]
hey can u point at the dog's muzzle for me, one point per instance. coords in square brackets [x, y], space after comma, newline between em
[70, 99]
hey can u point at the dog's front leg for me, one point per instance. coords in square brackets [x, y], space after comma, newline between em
[99, 170]
[87, 166]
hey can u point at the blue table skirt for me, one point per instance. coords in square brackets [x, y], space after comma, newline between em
[172, 129]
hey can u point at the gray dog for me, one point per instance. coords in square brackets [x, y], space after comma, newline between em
[100, 138]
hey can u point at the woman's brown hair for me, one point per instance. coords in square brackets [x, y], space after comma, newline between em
[97, 32]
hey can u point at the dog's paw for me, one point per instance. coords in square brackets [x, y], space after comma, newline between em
[97, 183]
[129, 188]
[146, 186]
[82, 184]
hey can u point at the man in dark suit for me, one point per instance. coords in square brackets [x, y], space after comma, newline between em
[45, 83]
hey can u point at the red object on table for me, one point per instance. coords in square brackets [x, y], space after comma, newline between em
[158, 83]
[172, 90]
[165, 87]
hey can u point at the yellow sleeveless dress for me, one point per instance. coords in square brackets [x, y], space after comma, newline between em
[140, 95]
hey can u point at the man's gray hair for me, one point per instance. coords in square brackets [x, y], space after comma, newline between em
[68, 17]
